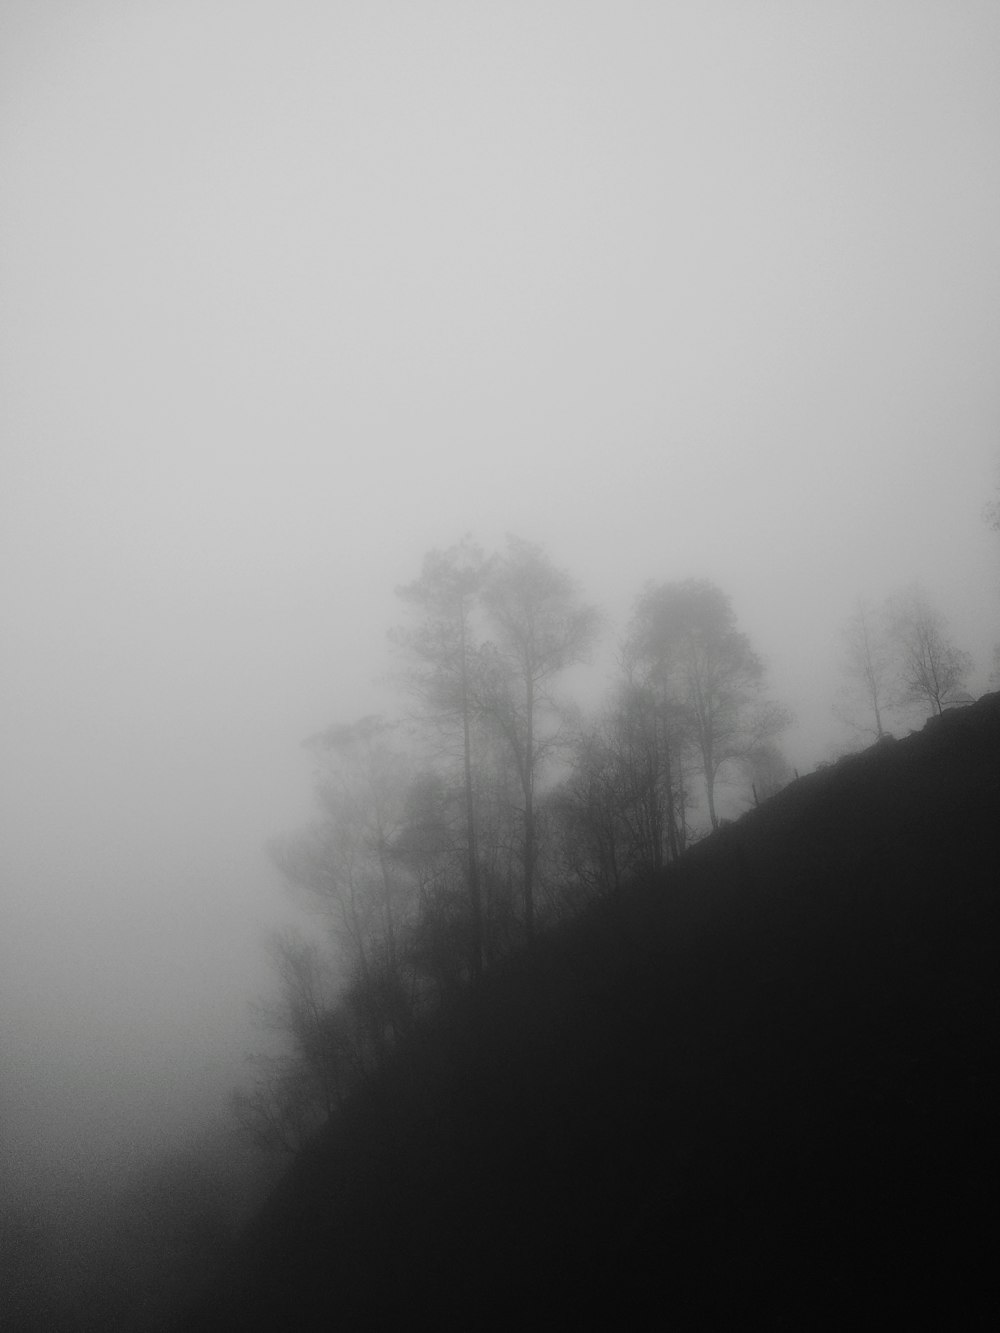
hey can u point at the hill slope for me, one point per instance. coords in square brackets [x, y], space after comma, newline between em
[763, 1086]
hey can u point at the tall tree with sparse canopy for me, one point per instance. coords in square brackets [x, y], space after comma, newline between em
[442, 657]
[540, 627]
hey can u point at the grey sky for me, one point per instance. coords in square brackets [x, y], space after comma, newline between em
[292, 292]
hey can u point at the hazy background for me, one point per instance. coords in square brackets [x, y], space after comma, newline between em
[292, 292]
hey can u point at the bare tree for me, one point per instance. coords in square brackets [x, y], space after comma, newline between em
[298, 1088]
[310, 1015]
[614, 814]
[540, 628]
[277, 1113]
[869, 670]
[769, 771]
[930, 666]
[345, 861]
[442, 652]
[589, 811]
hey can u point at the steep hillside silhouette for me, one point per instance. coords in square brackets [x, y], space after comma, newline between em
[763, 1086]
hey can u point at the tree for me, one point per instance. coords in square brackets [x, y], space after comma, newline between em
[430, 846]
[769, 771]
[611, 810]
[298, 1089]
[930, 667]
[345, 862]
[278, 1113]
[685, 646]
[310, 1014]
[654, 735]
[630, 772]
[540, 628]
[588, 812]
[442, 653]
[868, 667]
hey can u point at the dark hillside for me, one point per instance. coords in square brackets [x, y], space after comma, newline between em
[761, 1088]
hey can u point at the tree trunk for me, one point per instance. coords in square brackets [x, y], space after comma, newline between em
[527, 781]
[671, 812]
[710, 795]
[475, 895]
[682, 831]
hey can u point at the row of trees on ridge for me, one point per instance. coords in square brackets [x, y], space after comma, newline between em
[446, 838]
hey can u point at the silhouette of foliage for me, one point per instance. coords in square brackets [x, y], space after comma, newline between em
[764, 1074]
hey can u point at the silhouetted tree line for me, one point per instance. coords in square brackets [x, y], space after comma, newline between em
[763, 1076]
[446, 840]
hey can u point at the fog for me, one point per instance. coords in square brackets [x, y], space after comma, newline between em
[293, 293]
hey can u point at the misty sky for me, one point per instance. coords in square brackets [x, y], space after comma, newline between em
[292, 292]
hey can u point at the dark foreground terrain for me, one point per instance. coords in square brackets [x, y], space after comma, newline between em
[762, 1088]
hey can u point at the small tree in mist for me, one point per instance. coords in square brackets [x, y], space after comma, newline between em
[869, 668]
[930, 667]
[599, 810]
[656, 741]
[299, 1089]
[345, 862]
[768, 772]
[587, 813]
[310, 1015]
[441, 946]
[623, 809]
[685, 647]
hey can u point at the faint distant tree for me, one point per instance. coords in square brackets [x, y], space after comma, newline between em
[277, 1112]
[769, 772]
[500, 824]
[344, 860]
[431, 846]
[299, 1088]
[442, 664]
[540, 627]
[655, 740]
[930, 666]
[589, 812]
[869, 669]
[633, 766]
[311, 1014]
[685, 641]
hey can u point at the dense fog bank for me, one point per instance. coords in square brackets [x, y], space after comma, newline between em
[293, 296]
